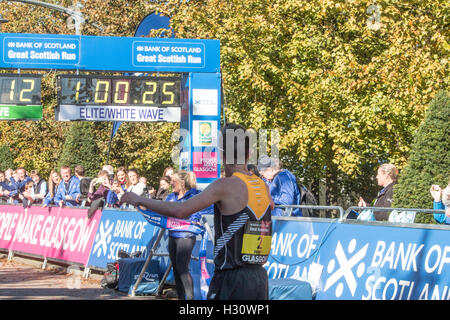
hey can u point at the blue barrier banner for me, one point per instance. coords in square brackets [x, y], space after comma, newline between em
[120, 230]
[349, 261]
[99, 53]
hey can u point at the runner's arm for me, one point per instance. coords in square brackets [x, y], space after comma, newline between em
[181, 210]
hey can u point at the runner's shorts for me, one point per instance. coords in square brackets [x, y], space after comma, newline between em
[249, 282]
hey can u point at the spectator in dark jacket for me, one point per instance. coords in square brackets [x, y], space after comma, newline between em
[386, 177]
[40, 187]
[100, 188]
[164, 188]
[84, 184]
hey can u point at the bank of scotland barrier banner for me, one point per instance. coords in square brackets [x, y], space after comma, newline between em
[120, 230]
[65, 234]
[362, 262]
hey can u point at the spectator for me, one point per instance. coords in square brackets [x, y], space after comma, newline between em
[100, 188]
[169, 171]
[112, 199]
[135, 185]
[109, 168]
[386, 177]
[143, 180]
[40, 187]
[68, 190]
[444, 204]
[122, 180]
[8, 174]
[84, 184]
[3, 192]
[182, 242]
[27, 196]
[164, 188]
[17, 184]
[253, 169]
[132, 185]
[282, 185]
[54, 180]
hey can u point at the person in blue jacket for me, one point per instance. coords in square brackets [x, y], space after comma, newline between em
[441, 204]
[282, 185]
[68, 190]
[54, 180]
[17, 184]
[181, 242]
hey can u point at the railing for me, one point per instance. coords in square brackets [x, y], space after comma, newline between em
[347, 212]
[289, 208]
[343, 214]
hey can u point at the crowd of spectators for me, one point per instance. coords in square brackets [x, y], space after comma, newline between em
[73, 189]
[62, 188]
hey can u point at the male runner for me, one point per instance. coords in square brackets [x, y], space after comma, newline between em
[242, 221]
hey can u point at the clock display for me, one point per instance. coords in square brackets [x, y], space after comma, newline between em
[119, 91]
[18, 89]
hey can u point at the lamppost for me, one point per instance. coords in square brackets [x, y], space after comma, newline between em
[76, 18]
[2, 20]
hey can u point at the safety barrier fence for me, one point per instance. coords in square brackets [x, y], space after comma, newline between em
[341, 258]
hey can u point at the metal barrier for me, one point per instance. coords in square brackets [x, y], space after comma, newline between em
[289, 208]
[391, 209]
[343, 214]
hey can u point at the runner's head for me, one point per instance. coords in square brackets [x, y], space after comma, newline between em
[235, 144]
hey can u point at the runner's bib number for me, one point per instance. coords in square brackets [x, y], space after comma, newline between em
[256, 242]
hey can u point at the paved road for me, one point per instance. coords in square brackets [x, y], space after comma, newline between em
[19, 281]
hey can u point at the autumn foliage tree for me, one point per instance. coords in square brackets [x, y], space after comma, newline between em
[346, 83]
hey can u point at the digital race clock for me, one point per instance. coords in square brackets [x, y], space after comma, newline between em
[17, 89]
[89, 90]
[20, 97]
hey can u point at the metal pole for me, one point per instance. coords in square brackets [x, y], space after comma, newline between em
[163, 280]
[149, 258]
[392, 209]
[208, 228]
[341, 210]
[76, 15]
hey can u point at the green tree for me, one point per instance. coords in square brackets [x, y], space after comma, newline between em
[429, 159]
[80, 148]
[6, 158]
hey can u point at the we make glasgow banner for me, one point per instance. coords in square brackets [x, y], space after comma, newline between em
[60, 233]
[349, 261]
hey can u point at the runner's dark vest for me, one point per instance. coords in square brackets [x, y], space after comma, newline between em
[245, 237]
